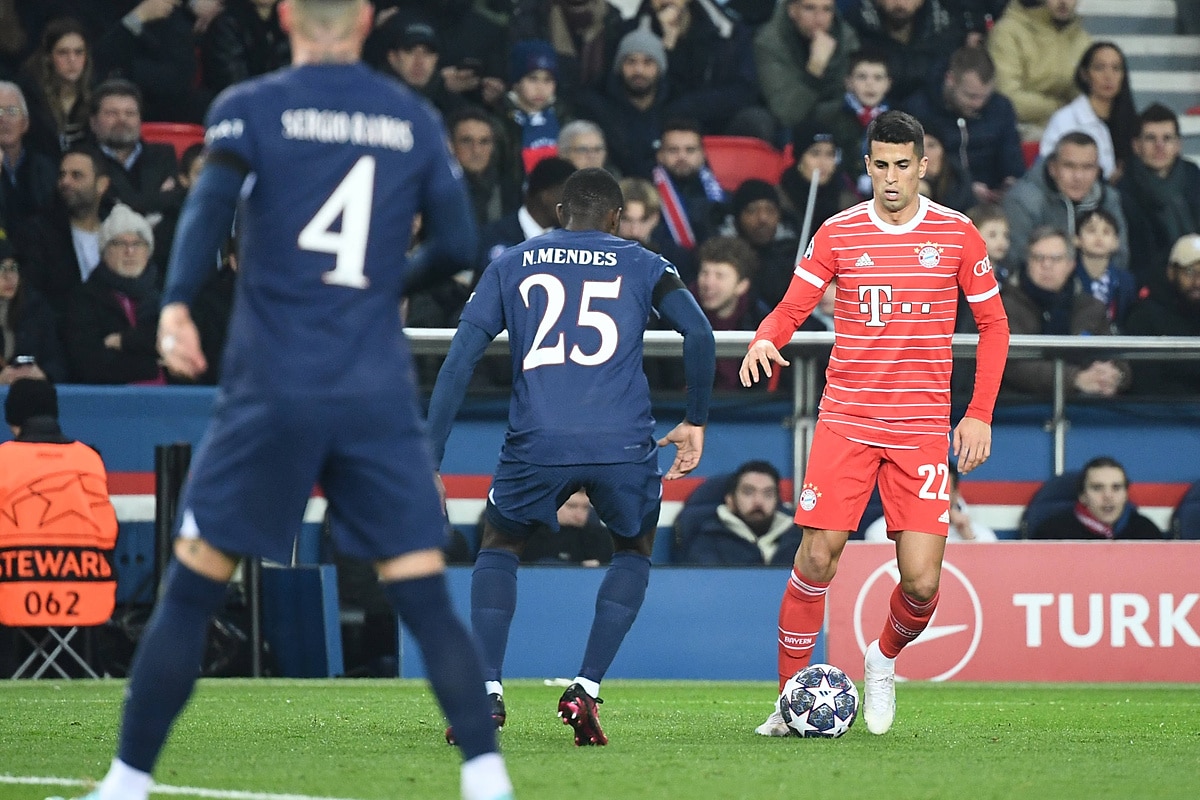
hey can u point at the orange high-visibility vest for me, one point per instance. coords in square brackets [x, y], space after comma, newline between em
[58, 531]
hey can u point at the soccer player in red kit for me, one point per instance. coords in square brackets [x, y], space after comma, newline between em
[899, 260]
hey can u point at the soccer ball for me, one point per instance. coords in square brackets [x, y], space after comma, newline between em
[819, 700]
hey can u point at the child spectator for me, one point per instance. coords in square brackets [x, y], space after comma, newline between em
[1096, 241]
[992, 223]
[531, 113]
[867, 84]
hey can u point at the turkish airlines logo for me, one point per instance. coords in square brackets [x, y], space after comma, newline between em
[946, 645]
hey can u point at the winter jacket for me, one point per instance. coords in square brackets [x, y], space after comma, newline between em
[724, 540]
[1165, 313]
[780, 55]
[1158, 212]
[938, 30]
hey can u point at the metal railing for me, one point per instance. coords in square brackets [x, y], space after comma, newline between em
[806, 349]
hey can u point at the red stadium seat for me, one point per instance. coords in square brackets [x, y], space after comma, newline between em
[180, 135]
[734, 159]
[1030, 150]
[1193, 110]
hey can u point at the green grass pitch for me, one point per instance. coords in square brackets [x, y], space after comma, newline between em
[378, 740]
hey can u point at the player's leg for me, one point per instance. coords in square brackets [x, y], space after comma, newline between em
[915, 488]
[628, 498]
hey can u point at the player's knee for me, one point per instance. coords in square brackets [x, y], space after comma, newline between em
[921, 588]
[815, 563]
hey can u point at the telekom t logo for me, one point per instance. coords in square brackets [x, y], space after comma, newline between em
[873, 299]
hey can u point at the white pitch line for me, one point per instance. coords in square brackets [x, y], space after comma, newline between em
[159, 788]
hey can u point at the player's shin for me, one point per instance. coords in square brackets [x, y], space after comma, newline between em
[907, 618]
[801, 614]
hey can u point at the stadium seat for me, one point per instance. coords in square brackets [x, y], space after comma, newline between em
[1185, 519]
[1057, 494]
[1030, 150]
[180, 135]
[734, 159]
[699, 506]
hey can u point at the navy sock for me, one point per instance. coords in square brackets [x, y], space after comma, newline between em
[617, 604]
[167, 663]
[493, 603]
[451, 660]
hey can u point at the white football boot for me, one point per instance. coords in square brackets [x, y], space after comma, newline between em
[879, 690]
[774, 726]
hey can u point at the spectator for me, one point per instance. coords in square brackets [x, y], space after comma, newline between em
[709, 77]
[802, 54]
[693, 201]
[29, 343]
[641, 221]
[727, 265]
[144, 176]
[531, 112]
[58, 77]
[1160, 194]
[867, 85]
[1173, 310]
[962, 527]
[757, 219]
[630, 108]
[61, 249]
[585, 34]
[1047, 300]
[749, 528]
[816, 153]
[1096, 241]
[582, 143]
[242, 41]
[492, 181]
[114, 315]
[1037, 45]
[976, 125]
[915, 35]
[992, 223]
[1057, 191]
[1104, 109]
[1102, 511]
[543, 192]
[26, 174]
[946, 180]
[581, 539]
[474, 53]
[411, 54]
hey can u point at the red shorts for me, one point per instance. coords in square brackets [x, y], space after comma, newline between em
[913, 484]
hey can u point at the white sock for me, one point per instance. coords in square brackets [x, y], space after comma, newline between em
[591, 687]
[878, 659]
[493, 687]
[123, 782]
[485, 778]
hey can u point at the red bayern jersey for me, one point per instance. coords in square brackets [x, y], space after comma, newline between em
[897, 296]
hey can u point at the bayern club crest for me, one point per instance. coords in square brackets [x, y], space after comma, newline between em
[929, 255]
[808, 497]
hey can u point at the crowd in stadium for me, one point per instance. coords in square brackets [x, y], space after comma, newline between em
[1090, 212]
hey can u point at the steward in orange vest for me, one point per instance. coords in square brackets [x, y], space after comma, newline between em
[58, 528]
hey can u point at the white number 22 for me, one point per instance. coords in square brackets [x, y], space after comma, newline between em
[931, 472]
[556, 297]
[351, 200]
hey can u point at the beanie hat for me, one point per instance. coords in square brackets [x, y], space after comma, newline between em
[751, 191]
[30, 397]
[643, 41]
[808, 133]
[531, 54]
[123, 219]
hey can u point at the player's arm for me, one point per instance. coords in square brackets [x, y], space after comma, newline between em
[204, 225]
[802, 296]
[466, 348]
[972, 441]
[676, 305]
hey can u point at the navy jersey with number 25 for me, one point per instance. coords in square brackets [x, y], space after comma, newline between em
[575, 304]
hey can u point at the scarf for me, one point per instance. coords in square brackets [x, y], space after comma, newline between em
[138, 298]
[1055, 306]
[673, 210]
[1099, 528]
[1167, 198]
[865, 114]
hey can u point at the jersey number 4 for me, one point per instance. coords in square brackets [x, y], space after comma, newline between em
[351, 201]
[541, 353]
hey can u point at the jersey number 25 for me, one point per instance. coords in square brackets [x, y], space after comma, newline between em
[556, 298]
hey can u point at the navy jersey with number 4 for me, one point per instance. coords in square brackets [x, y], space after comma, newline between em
[349, 152]
[575, 304]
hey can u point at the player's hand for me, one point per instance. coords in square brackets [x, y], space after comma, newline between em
[972, 443]
[689, 444]
[179, 342]
[761, 354]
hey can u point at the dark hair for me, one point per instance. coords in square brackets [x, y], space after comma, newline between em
[1122, 122]
[41, 66]
[1097, 463]
[590, 193]
[548, 173]
[684, 124]
[759, 466]
[729, 250]
[115, 87]
[986, 212]
[88, 152]
[1157, 112]
[468, 112]
[189, 157]
[1099, 212]
[867, 55]
[1077, 138]
[897, 127]
[973, 59]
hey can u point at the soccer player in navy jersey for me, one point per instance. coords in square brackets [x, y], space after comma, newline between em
[575, 302]
[330, 162]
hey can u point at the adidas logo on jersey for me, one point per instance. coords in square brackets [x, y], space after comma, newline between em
[864, 261]
[945, 517]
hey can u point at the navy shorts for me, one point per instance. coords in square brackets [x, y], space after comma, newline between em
[256, 467]
[628, 497]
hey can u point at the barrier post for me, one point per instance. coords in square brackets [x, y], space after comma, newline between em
[171, 463]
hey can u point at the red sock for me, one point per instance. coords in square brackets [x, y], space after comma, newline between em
[907, 617]
[801, 615]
